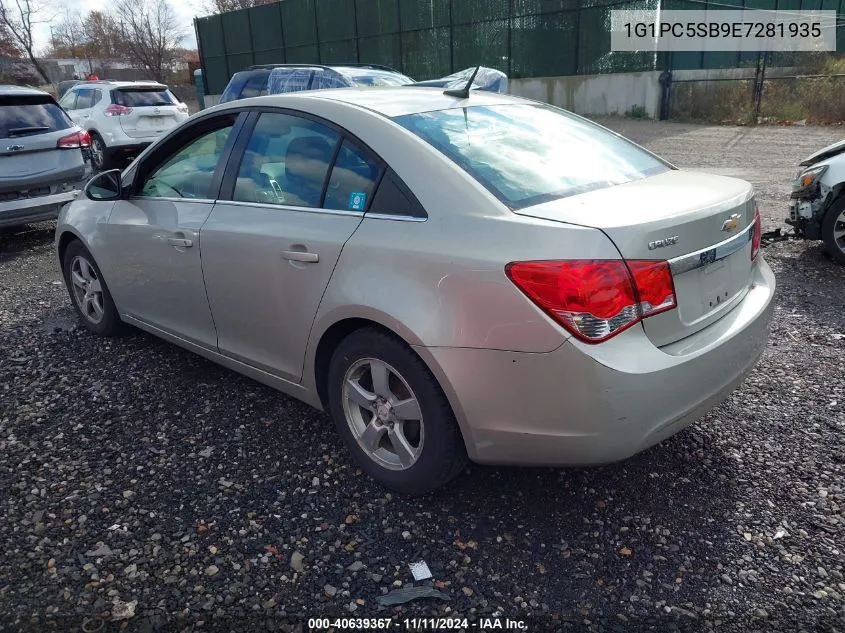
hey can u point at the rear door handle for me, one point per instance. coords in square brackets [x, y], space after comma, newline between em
[301, 256]
[176, 241]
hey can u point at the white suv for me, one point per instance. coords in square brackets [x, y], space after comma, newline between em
[122, 117]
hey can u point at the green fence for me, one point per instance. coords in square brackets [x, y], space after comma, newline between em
[421, 38]
[431, 38]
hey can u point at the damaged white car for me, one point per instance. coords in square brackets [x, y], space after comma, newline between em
[817, 201]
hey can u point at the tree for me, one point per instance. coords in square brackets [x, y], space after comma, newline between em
[103, 35]
[150, 34]
[19, 17]
[8, 47]
[70, 37]
[221, 6]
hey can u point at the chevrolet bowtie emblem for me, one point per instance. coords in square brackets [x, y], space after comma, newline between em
[731, 223]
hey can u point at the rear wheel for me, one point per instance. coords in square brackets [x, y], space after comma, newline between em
[392, 414]
[98, 153]
[88, 291]
[833, 231]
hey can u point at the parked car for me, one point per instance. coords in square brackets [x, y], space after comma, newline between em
[450, 277]
[43, 157]
[63, 86]
[817, 201]
[122, 117]
[283, 78]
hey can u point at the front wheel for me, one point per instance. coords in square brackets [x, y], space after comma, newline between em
[88, 291]
[833, 232]
[392, 414]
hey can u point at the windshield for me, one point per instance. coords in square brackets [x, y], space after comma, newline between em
[26, 115]
[140, 98]
[529, 154]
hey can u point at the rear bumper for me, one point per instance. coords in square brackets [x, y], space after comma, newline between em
[26, 210]
[592, 404]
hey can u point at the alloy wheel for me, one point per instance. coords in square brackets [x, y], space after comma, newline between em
[839, 231]
[383, 414]
[98, 152]
[87, 289]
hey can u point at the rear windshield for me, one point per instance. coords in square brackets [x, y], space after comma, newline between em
[529, 154]
[141, 98]
[28, 115]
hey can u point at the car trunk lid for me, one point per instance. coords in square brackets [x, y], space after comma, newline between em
[700, 223]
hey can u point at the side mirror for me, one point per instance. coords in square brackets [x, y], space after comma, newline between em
[105, 186]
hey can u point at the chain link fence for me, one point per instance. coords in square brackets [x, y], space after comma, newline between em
[424, 39]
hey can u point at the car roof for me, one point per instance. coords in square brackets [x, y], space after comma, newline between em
[389, 102]
[20, 91]
[119, 84]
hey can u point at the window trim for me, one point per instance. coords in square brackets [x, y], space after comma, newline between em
[181, 138]
[227, 187]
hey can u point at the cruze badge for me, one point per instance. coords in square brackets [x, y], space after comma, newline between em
[731, 223]
[666, 241]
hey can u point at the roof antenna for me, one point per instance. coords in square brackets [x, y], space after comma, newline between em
[463, 93]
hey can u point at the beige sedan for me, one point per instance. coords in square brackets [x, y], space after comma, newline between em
[451, 277]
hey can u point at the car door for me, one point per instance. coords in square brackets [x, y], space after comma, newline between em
[152, 236]
[82, 106]
[269, 251]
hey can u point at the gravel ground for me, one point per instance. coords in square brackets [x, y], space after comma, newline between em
[140, 481]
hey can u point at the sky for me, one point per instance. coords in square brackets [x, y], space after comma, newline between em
[185, 12]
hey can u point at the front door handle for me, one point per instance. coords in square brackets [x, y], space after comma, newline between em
[301, 256]
[176, 241]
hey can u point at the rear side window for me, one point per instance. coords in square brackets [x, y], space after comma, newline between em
[353, 177]
[143, 97]
[27, 115]
[394, 198]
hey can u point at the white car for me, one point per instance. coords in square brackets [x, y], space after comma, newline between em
[817, 201]
[122, 117]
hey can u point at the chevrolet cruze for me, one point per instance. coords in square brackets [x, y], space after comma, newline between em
[450, 276]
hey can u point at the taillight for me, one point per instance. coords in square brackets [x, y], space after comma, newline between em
[596, 299]
[115, 109]
[758, 232]
[182, 107]
[74, 141]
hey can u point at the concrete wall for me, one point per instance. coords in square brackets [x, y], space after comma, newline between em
[594, 95]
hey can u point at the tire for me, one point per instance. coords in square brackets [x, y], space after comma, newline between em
[435, 451]
[99, 153]
[87, 297]
[833, 231]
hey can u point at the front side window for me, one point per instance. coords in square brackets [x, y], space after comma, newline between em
[286, 161]
[84, 98]
[189, 172]
[68, 102]
[529, 154]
